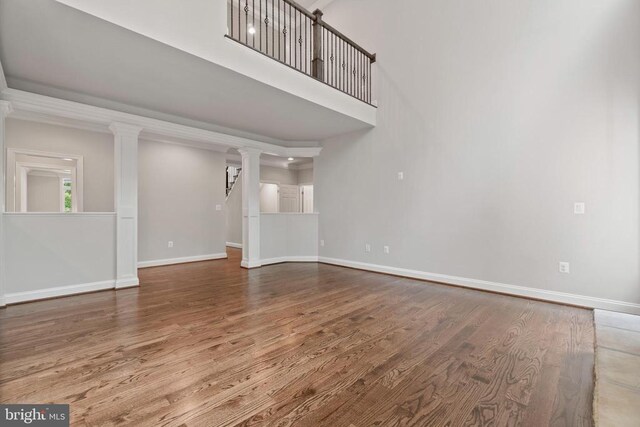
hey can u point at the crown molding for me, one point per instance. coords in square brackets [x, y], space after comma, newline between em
[5, 108]
[236, 159]
[31, 106]
[303, 166]
[125, 129]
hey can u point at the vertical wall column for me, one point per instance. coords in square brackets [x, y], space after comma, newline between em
[250, 207]
[5, 110]
[126, 203]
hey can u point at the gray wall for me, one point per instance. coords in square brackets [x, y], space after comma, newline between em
[43, 193]
[501, 115]
[179, 188]
[40, 255]
[97, 149]
[279, 175]
[305, 176]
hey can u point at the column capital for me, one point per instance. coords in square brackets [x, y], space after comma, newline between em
[5, 108]
[125, 129]
[248, 151]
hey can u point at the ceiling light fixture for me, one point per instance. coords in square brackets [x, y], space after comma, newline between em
[290, 159]
[252, 29]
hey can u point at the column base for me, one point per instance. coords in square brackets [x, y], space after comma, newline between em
[250, 264]
[127, 282]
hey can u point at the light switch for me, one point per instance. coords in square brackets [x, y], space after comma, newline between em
[579, 208]
[400, 176]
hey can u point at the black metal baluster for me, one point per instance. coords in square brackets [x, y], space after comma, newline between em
[291, 35]
[334, 48]
[253, 25]
[359, 76]
[260, 22]
[273, 28]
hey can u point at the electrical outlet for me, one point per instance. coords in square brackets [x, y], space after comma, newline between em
[400, 176]
[563, 267]
[386, 249]
[321, 242]
[170, 244]
[218, 207]
[367, 248]
[579, 208]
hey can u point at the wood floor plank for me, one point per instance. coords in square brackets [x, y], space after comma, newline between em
[211, 344]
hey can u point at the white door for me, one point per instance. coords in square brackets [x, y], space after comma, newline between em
[306, 192]
[268, 198]
[289, 198]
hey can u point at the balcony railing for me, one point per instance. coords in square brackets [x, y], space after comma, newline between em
[288, 33]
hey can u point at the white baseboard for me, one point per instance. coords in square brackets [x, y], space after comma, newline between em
[234, 245]
[253, 264]
[503, 288]
[127, 282]
[171, 261]
[59, 291]
[289, 259]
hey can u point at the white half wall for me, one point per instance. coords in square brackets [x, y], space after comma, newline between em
[501, 118]
[180, 188]
[49, 254]
[288, 237]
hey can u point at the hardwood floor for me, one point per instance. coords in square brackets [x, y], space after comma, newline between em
[211, 344]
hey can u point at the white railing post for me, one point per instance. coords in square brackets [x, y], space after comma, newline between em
[126, 202]
[5, 110]
[250, 207]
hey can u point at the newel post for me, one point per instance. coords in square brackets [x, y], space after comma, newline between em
[126, 202]
[5, 110]
[317, 64]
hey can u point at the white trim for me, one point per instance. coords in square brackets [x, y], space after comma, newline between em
[171, 261]
[234, 245]
[289, 213]
[127, 282]
[279, 260]
[68, 112]
[60, 214]
[59, 291]
[247, 264]
[300, 167]
[503, 288]
[13, 166]
[3, 79]
[236, 161]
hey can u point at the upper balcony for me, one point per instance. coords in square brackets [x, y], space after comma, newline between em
[288, 33]
[195, 62]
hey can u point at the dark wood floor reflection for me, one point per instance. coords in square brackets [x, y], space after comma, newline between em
[211, 344]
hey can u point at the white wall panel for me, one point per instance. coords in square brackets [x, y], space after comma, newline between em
[288, 236]
[47, 252]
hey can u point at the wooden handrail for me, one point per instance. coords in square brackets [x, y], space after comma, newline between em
[371, 56]
[290, 34]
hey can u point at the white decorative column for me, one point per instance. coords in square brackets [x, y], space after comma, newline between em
[250, 207]
[5, 110]
[126, 202]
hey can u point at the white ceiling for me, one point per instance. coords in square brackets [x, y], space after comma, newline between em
[55, 50]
